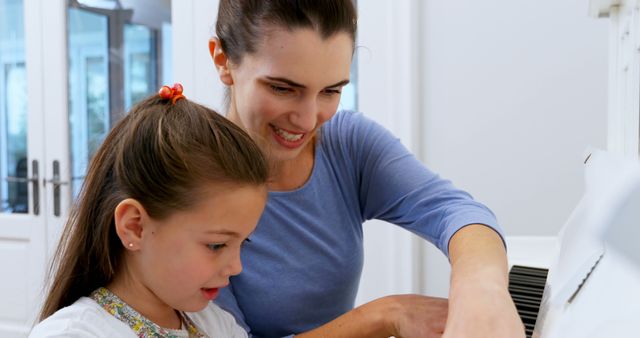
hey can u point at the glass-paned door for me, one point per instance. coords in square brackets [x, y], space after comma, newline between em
[22, 226]
[68, 70]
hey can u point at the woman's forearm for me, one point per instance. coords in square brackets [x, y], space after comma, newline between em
[477, 254]
[480, 303]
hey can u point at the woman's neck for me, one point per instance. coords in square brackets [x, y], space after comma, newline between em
[292, 174]
[140, 298]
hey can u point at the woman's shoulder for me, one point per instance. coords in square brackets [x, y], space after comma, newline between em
[348, 123]
[345, 120]
[84, 318]
[354, 133]
[217, 322]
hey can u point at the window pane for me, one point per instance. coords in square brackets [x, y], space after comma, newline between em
[140, 63]
[13, 109]
[88, 50]
[349, 97]
[117, 53]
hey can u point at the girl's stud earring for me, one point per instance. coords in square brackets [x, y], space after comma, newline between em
[131, 245]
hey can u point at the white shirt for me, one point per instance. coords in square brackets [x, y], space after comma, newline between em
[87, 319]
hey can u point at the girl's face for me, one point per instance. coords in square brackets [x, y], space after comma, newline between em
[184, 259]
[288, 88]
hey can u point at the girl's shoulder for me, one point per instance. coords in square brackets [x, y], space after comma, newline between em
[217, 322]
[84, 318]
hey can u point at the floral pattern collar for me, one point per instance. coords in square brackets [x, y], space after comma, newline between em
[142, 326]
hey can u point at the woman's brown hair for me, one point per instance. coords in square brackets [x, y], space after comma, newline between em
[242, 24]
[159, 154]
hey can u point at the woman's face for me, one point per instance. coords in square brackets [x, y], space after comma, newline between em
[288, 88]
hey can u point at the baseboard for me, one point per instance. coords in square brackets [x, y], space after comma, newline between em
[535, 251]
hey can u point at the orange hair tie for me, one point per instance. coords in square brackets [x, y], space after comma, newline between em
[173, 93]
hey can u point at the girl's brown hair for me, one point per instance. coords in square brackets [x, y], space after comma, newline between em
[159, 154]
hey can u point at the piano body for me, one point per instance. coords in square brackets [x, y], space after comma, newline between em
[592, 290]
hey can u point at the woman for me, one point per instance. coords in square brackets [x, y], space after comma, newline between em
[284, 63]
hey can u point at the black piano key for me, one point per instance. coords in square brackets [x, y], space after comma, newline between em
[526, 286]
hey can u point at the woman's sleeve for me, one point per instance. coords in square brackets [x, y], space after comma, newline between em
[395, 187]
[227, 301]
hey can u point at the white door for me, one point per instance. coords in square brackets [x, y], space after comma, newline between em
[29, 63]
[68, 69]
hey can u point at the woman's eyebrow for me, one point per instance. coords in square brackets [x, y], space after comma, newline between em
[285, 80]
[297, 85]
[341, 83]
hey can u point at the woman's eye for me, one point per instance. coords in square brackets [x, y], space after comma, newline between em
[280, 89]
[216, 246]
[332, 92]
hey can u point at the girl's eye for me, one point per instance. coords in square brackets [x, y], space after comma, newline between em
[216, 246]
[280, 89]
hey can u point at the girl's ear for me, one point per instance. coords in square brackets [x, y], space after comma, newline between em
[221, 61]
[129, 216]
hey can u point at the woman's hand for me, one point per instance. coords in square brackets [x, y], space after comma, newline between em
[483, 311]
[416, 316]
[406, 316]
[479, 300]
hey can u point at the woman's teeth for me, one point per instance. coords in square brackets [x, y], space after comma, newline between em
[288, 136]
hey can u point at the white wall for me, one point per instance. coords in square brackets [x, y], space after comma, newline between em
[513, 93]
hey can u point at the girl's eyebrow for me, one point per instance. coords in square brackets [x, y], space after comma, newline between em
[297, 85]
[223, 232]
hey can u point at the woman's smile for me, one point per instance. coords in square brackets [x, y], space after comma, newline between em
[287, 138]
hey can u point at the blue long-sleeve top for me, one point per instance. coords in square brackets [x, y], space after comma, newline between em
[302, 267]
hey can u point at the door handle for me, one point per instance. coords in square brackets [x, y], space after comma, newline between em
[56, 182]
[34, 180]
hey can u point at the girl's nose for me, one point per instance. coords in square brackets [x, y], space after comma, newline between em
[234, 266]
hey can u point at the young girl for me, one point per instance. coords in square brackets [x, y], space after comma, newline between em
[170, 196]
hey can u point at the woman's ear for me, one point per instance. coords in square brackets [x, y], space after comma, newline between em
[129, 216]
[221, 61]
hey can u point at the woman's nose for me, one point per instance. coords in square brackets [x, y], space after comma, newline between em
[305, 116]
